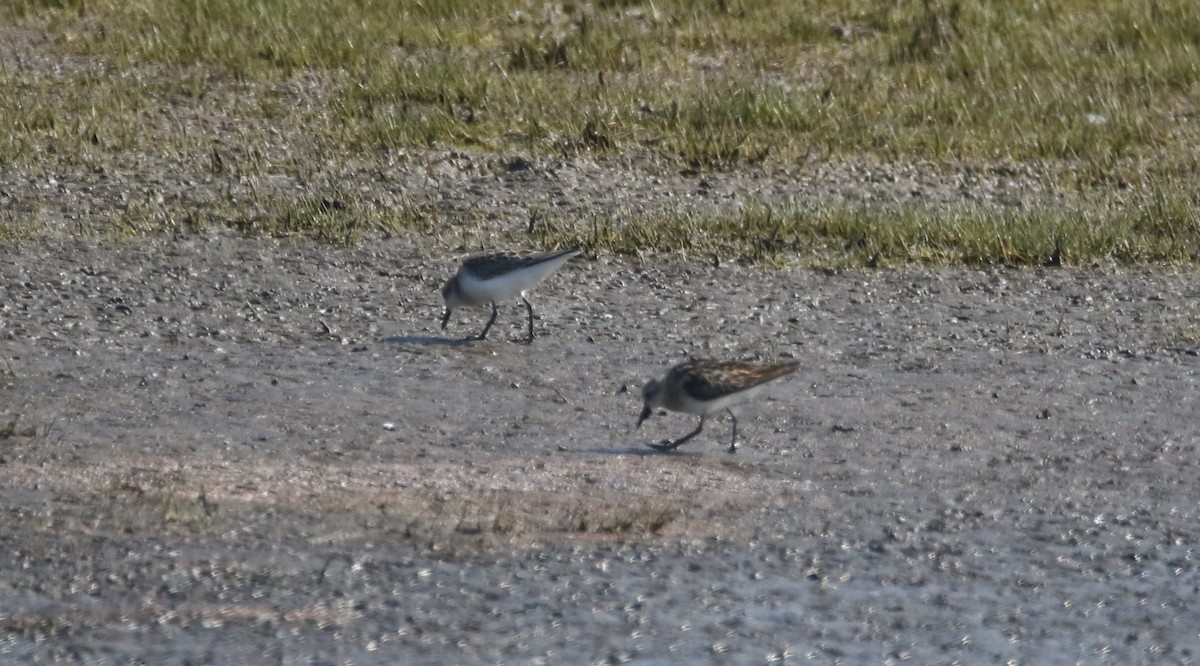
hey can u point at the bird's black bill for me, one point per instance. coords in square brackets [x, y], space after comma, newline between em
[645, 415]
[445, 319]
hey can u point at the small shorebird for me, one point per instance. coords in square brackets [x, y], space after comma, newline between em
[705, 387]
[493, 277]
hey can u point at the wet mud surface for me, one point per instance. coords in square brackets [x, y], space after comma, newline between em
[221, 450]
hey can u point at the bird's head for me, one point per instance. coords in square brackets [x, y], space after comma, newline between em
[652, 396]
[450, 297]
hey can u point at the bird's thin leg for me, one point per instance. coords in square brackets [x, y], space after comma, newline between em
[529, 307]
[495, 311]
[733, 440]
[671, 446]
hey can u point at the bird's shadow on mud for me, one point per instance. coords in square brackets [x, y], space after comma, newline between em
[639, 451]
[429, 341]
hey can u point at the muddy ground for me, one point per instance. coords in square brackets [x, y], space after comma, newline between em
[226, 450]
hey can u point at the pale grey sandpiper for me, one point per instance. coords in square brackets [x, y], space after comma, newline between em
[704, 387]
[494, 277]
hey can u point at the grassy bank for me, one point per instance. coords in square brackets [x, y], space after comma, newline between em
[1100, 94]
[1158, 228]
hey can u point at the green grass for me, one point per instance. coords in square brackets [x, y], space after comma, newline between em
[156, 499]
[783, 82]
[1186, 333]
[336, 217]
[15, 228]
[339, 218]
[1145, 228]
[1135, 227]
[708, 83]
[1100, 95]
[625, 520]
[14, 429]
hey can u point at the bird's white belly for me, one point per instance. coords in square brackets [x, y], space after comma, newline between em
[481, 292]
[474, 291]
[690, 405]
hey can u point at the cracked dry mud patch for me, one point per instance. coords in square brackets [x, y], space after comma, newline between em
[220, 450]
